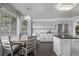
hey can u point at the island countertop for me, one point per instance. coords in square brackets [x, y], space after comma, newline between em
[65, 37]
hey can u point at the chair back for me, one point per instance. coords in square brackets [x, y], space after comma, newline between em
[23, 37]
[31, 44]
[6, 45]
[14, 38]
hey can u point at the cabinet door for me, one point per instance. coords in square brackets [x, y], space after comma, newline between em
[65, 47]
[75, 47]
[56, 45]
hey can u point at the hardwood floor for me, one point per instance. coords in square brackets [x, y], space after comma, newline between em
[46, 49]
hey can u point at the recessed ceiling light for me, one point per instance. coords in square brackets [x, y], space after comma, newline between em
[64, 7]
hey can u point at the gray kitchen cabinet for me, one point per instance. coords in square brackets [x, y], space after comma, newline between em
[56, 45]
[65, 47]
[75, 47]
[61, 46]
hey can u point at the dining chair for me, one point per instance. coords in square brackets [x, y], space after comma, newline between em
[1, 50]
[6, 45]
[30, 46]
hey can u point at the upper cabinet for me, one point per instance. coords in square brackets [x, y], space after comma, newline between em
[44, 26]
[64, 27]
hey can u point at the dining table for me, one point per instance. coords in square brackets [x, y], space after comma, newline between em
[22, 43]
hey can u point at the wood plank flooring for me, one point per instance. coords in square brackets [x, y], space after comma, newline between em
[46, 49]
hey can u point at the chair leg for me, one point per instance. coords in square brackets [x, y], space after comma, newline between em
[35, 53]
[26, 54]
[11, 54]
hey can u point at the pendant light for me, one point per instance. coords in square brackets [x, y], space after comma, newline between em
[27, 16]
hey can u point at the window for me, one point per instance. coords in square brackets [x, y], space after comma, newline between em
[7, 23]
[24, 26]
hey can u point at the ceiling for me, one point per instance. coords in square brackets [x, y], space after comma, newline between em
[44, 10]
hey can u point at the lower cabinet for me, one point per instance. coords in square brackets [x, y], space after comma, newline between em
[56, 45]
[75, 47]
[45, 37]
[66, 47]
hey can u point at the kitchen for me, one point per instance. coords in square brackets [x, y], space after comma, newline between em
[55, 24]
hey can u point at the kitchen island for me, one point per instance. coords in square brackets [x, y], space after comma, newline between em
[66, 45]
